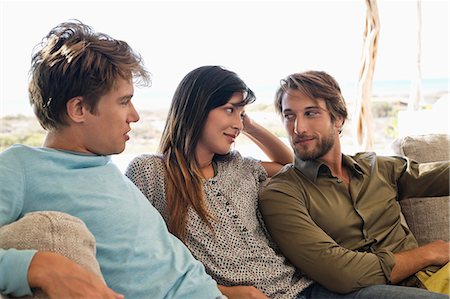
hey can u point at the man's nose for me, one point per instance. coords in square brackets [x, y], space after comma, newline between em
[299, 126]
[133, 115]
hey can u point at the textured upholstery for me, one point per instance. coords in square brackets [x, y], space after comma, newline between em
[424, 148]
[427, 217]
[55, 232]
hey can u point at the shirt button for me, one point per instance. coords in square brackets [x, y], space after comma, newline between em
[235, 216]
[227, 203]
[339, 181]
[219, 193]
[244, 229]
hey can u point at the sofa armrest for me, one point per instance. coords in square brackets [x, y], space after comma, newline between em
[52, 231]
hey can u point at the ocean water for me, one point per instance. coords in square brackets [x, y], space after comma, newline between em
[380, 88]
[154, 98]
[396, 87]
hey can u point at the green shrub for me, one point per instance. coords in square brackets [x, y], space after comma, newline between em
[31, 139]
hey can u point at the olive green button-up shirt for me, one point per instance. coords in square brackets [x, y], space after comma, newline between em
[345, 237]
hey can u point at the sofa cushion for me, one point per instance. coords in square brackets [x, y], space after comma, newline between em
[427, 218]
[52, 231]
[424, 148]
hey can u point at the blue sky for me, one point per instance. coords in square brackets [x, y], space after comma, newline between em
[262, 41]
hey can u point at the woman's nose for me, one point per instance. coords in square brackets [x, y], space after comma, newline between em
[238, 123]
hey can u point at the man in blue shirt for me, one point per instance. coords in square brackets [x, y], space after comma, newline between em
[81, 88]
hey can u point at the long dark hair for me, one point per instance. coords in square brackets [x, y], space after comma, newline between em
[200, 91]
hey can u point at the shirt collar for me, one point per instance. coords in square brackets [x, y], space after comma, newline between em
[352, 164]
[312, 168]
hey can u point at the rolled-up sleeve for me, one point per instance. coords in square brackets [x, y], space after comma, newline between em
[314, 252]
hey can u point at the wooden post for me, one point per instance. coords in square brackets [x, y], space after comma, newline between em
[363, 121]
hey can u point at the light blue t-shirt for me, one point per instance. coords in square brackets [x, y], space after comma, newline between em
[137, 255]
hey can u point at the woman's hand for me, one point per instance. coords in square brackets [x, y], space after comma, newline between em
[248, 123]
[276, 150]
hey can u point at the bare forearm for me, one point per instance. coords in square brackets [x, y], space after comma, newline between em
[270, 144]
[406, 264]
[59, 277]
[244, 292]
[409, 262]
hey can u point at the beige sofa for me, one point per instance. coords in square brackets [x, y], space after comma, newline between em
[55, 232]
[428, 218]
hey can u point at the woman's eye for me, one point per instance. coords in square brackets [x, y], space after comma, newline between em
[288, 116]
[229, 110]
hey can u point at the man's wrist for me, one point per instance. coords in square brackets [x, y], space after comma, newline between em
[38, 270]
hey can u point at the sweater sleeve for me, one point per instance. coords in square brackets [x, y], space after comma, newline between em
[14, 263]
[313, 251]
[14, 266]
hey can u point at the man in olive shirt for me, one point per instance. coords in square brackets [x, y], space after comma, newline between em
[336, 217]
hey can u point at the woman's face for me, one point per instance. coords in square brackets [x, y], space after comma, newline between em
[222, 126]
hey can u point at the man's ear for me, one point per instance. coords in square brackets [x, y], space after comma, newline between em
[339, 122]
[76, 110]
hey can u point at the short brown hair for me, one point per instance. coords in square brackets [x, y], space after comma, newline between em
[315, 85]
[73, 60]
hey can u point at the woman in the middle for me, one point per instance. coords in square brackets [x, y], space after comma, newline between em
[208, 194]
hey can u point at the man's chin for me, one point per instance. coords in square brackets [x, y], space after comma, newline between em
[115, 151]
[306, 156]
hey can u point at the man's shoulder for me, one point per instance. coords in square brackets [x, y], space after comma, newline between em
[286, 185]
[363, 156]
[370, 158]
[368, 162]
[18, 152]
[286, 171]
[287, 176]
[15, 148]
